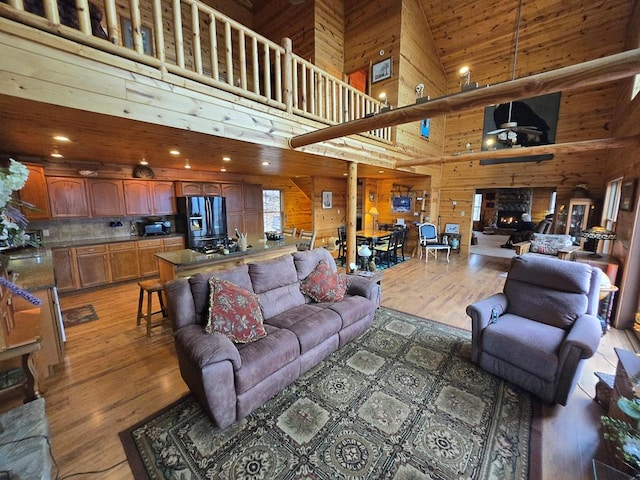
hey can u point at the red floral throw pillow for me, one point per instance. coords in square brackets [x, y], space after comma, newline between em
[234, 312]
[323, 284]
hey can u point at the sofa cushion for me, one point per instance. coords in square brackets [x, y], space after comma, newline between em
[549, 244]
[311, 323]
[270, 274]
[323, 284]
[527, 344]
[262, 358]
[234, 312]
[353, 308]
[200, 287]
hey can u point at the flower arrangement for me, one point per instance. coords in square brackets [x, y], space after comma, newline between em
[12, 220]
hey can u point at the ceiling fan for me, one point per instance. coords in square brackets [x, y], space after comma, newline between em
[508, 132]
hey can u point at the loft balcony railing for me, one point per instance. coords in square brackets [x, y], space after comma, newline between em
[192, 40]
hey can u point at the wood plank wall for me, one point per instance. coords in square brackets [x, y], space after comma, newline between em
[329, 36]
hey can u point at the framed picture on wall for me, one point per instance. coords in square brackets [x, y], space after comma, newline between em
[627, 194]
[452, 228]
[327, 200]
[381, 70]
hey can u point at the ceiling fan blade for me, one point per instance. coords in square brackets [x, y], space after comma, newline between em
[528, 130]
[494, 132]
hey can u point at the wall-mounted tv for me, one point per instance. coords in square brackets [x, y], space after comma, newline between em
[401, 204]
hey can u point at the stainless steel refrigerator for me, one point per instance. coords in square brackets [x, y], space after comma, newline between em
[203, 220]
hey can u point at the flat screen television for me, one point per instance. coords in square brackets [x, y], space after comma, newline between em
[401, 204]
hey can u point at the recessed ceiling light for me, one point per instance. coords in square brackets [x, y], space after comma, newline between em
[56, 154]
[380, 171]
[174, 152]
[223, 169]
[187, 165]
[144, 161]
[345, 174]
[265, 163]
[61, 138]
[226, 159]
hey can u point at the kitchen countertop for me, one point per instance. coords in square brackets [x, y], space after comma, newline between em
[34, 269]
[191, 257]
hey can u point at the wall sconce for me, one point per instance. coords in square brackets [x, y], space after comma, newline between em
[465, 80]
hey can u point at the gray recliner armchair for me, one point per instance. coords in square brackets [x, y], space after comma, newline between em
[540, 330]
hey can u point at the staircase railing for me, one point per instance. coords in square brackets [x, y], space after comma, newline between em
[192, 40]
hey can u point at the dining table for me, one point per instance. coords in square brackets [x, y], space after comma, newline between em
[371, 236]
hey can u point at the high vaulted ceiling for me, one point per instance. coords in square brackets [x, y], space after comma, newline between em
[477, 33]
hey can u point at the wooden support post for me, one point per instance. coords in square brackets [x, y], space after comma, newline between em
[352, 208]
[288, 75]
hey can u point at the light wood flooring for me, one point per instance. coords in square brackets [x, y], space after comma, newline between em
[114, 376]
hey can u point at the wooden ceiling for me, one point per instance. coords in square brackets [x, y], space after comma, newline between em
[477, 33]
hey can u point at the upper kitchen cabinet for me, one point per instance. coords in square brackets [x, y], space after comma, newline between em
[163, 200]
[67, 197]
[252, 194]
[196, 189]
[35, 193]
[137, 197]
[232, 192]
[143, 197]
[106, 197]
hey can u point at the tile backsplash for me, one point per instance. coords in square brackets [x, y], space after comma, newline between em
[90, 229]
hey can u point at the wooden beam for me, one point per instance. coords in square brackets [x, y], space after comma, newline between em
[555, 148]
[593, 72]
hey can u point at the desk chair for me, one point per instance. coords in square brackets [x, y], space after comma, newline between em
[429, 240]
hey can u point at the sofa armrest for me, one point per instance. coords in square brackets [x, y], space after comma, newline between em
[522, 247]
[480, 313]
[180, 306]
[203, 349]
[365, 287]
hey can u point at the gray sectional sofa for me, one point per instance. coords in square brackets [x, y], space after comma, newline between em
[230, 380]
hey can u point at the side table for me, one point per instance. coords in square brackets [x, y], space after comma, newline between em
[375, 276]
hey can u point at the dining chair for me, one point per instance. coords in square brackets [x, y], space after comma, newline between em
[429, 240]
[289, 231]
[306, 240]
[388, 251]
[342, 244]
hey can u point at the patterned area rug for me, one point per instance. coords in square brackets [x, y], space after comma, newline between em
[78, 315]
[401, 402]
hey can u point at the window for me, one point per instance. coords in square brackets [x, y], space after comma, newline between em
[610, 210]
[552, 202]
[127, 36]
[272, 210]
[477, 207]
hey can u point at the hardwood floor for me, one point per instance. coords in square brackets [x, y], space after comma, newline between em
[114, 376]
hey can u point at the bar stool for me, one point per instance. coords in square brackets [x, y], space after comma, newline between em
[150, 287]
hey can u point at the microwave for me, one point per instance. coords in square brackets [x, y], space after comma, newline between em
[154, 228]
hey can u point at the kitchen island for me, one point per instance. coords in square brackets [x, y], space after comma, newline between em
[185, 263]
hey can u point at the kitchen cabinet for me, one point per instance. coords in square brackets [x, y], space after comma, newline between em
[171, 244]
[51, 351]
[252, 204]
[65, 267]
[93, 265]
[123, 260]
[67, 197]
[194, 189]
[162, 198]
[211, 189]
[232, 192]
[147, 261]
[106, 197]
[35, 193]
[137, 197]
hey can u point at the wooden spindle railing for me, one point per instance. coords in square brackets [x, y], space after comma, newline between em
[214, 49]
